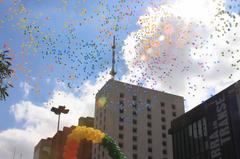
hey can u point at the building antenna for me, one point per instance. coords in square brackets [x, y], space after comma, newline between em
[113, 73]
[14, 152]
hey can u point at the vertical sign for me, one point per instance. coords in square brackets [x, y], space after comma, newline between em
[219, 129]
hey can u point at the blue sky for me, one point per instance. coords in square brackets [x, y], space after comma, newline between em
[55, 23]
[61, 53]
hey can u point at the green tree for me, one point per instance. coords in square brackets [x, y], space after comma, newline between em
[5, 73]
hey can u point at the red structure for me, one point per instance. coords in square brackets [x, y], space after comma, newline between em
[53, 148]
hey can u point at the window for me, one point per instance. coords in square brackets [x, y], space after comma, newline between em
[174, 114]
[121, 103]
[134, 138]
[134, 130]
[149, 108]
[191, 141]
[149, 157]
[134, 113]
[121, 110]
[134, 156]
[162, 104]
[121, 119]
[120, 145]
[164, 143]
[149, 149]
[163, 111]
[134, 147]
[173, 106]
[149, 141]
[163, 119]
[200, 135]
[120, 127]
[121, 95]
[134, 97]
[149, 124]
[164, 151]
[120, 136]
[163, 127]
[149, 116]
[134, 105]
[148, 101]
[134, 121]
[149, 132]
[195, 137]
[164, 135]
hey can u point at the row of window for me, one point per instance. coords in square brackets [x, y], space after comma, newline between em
[134, 113]
[134, 98]
[149, 108]
[191, 141]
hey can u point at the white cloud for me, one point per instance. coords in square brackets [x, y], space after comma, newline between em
[39, 122]
[178, 49]
[26, 88]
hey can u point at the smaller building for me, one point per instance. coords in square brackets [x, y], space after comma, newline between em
[86, 121]
[210, 130]
[53, 148]
[43, 149]
[58, 142]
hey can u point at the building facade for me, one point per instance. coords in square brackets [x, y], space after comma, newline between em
[137, 118]
[58, 142]
[210, 130]
[53, 148]
[43, 149]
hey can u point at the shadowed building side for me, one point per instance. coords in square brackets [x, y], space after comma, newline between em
[210, 130]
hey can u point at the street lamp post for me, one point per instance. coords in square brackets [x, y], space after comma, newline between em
[58, 111]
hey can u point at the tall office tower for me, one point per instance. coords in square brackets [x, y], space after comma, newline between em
[137, 118]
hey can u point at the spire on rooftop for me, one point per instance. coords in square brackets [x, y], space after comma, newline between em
[112, 72]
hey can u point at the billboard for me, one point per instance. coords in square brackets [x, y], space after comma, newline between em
[233, 97]
[223, 124]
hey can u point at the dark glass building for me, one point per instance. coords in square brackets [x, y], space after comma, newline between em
[210, 130]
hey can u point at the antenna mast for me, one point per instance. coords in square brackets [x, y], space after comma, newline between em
[113, 73]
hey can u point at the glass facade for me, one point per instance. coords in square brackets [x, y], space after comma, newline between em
[190, 142]
[210, 130]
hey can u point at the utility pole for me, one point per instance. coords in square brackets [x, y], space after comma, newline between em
[58, 111]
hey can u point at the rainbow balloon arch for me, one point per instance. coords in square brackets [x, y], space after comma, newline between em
[96, 137]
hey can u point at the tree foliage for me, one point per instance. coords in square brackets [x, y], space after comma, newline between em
[5, 73]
